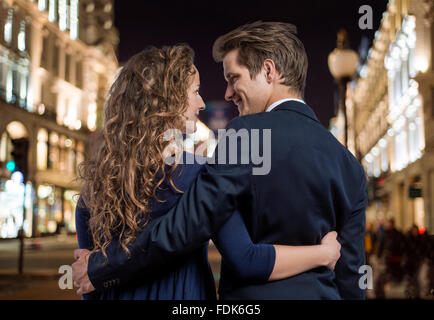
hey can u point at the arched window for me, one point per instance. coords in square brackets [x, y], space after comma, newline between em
[8, 26]
[22, 36]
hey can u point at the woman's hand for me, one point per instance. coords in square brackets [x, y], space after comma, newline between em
[331, 249]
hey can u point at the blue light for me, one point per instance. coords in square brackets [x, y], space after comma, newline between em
[10, 166]
[17, 177]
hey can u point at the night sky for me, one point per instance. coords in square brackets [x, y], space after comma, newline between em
[199, 23]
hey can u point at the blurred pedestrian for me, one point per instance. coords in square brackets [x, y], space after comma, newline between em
[391, 247]
[370, 241]
[430, 260]
[415, 248]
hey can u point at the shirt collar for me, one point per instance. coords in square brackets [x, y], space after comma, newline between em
[275, 104]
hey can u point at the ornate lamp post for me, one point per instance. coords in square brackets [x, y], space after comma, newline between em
[342, 63]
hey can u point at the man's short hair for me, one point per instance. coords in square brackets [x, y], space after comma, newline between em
[259, 41]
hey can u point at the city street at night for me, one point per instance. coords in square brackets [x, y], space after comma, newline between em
[40, 278]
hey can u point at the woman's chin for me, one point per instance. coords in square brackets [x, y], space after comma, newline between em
[190, 126]
[191, 130]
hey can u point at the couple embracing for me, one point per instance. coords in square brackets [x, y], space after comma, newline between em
[143, 225]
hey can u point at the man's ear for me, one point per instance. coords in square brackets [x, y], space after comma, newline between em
[271, 73]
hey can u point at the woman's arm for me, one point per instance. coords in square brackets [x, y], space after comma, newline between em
[246, 260]
[266, 262]
[292, 260]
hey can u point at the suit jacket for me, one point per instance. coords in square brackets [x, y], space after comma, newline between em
[314, 185]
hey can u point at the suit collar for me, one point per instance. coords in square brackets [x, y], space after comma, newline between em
[298, 107]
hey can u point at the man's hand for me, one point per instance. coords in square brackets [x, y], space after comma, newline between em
[79, 272]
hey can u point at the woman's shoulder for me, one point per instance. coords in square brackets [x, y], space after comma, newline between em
[189, 168]
[188, 162]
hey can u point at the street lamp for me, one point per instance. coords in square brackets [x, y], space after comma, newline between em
[342, 63]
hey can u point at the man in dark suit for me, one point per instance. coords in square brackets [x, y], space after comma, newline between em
[312, 185]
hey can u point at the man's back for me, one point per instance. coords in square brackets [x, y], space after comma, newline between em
[314, 186]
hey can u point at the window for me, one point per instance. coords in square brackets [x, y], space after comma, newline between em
[79, 74]
[63, 15]
[73, 33]
[42, 150]
[53, 157]
[42, 5]
[22, 36]
[63, 154]
[56, 55]
[91, 118]
[52, 12]
[70, 156]
[80, 154]
[24, 78]
[3, 73]
[68, 67]
[44, 54]
[8, 26]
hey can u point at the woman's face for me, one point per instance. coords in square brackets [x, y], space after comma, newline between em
[195, 103]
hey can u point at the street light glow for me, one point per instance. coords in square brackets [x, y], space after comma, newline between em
[10, 166]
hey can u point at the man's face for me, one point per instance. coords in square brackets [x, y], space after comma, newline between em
[250, 95]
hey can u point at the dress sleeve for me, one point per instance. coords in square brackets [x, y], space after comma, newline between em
[248, 261]
[82, 225]
[83, 237]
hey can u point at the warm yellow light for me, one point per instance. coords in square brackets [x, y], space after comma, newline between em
[16, 130]
[421, 64]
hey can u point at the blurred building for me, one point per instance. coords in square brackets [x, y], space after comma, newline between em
[57, 60]
[391, 116]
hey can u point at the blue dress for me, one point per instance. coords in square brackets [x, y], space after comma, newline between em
[191, 278]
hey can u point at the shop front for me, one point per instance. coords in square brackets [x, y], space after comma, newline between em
[15, 207]
[56, 209]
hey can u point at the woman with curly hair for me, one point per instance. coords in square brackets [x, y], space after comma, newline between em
[129, 183]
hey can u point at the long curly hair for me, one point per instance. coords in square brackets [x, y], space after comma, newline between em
[148, 97]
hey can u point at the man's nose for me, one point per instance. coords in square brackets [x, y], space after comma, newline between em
[229, 93]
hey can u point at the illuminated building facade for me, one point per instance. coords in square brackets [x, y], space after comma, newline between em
[391, 116]
[57, 60]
